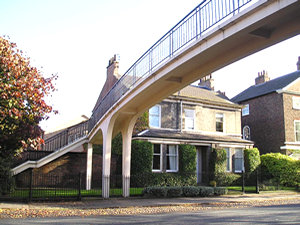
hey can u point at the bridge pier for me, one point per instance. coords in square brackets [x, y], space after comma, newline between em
[126, 153]
[107, 129]
[89, 163]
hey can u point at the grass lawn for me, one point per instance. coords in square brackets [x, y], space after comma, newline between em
[48, 193]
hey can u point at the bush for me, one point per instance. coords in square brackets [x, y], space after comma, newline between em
[251, 160]
[187, 158]
[174, 191]
[141, 157]
[155, 192]
[217, 163]
[206, 191]
[190, 191]
[227, 179]
[220, 191]
[282, 168]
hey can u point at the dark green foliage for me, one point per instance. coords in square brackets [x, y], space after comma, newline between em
[174, 191]
[187, 191]
[251, 160]
[220, 191]
[6, 180]
[281, 168]
[141, 157]
[187, 159]
[227, 179]
[190, 191]
[217, 164]
[155, 192]
[206, 191]
[117, 145]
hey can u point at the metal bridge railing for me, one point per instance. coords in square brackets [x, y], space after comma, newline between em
[199, 21]
[66, 137]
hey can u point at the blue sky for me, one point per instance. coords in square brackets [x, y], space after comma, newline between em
[75, 39]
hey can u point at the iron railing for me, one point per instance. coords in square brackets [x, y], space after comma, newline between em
[199, 21]
[66, 137]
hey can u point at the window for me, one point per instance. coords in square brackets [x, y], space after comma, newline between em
[245, 110]
[246, 133]
[228, 161]
[219, 122]
[172, 158]
[297, 131]
[156, 163]
[154, 116]
[296, 102]
[189, 119]
[238, 160]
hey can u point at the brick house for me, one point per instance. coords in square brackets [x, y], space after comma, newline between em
[271, 113]
[198, 116]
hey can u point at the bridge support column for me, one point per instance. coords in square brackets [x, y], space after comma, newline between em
[107, 129]
[126, 156]
[89, 163]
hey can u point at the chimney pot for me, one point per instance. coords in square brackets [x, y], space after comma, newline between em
[262, 77]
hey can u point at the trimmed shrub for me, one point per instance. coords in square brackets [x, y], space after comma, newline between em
[220, 191]
[206, 191]
[217, 164]
[187, 159]
[227, 179]
[190, 191]
[141, 157]
[251, 160]
[282, 168]
[155, 192]
[174, 191]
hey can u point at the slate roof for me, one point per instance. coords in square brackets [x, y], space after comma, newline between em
[266, 88]
[190, 136]
[204, 95]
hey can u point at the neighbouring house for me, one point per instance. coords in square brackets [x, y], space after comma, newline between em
[271, 113]
[199, 116]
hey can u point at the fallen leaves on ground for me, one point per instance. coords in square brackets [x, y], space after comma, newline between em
[65, 212]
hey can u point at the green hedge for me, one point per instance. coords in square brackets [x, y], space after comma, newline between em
[141, 157]
[251, 160]
[187, 158]
[282, 168]
[187, 191]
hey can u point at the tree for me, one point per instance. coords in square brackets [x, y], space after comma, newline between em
[22, 105]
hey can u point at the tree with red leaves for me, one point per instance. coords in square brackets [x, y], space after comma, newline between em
[22, 104]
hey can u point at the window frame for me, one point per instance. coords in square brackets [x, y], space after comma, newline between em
[159, 117]
[177, 159]
[223, 122]
[235, 158]
[160, 159]
[246, 110]
[185, 118]
[246, 127]
[294, 98]
[295, 131]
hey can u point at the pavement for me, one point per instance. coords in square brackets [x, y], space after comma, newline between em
[133, 202]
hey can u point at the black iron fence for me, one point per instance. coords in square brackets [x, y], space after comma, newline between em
[206, 16]
[30, 186]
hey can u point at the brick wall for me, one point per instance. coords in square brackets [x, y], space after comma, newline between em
[266, 122]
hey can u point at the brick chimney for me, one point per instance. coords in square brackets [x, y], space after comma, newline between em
[298, 63]
[207, 82]
[262, 78]
[112, 76]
